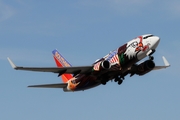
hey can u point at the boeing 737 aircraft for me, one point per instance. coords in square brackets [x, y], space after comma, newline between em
[115, 65]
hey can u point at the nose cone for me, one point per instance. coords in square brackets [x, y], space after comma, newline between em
[154, 42]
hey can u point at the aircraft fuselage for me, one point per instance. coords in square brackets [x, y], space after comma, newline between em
[118, 63]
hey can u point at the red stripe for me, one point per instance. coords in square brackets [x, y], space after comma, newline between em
[96, 66]
[65, 77]
[114, 59]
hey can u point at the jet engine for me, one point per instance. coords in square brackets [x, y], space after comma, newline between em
[143, 68]
[105, 64]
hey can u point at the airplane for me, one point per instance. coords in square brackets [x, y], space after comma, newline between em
[115, 65]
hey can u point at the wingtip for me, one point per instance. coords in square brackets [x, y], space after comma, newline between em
[30, 86]
[11, 63]
[165, 61]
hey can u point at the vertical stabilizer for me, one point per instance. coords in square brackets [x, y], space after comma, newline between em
[62, 62]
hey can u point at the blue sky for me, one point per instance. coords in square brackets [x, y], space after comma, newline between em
[83, 31]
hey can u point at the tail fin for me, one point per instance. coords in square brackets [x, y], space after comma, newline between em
[62, 62]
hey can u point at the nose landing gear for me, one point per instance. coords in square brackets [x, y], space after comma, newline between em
[149, 53]
[151, 58]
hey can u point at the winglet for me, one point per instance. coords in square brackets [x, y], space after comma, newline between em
[166, 64]
[165, 61]
[11, 63]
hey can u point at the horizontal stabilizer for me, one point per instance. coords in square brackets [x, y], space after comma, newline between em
[58, 85]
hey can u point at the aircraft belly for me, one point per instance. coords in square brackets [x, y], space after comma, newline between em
[87, 82]
[80, 88]
[82, 82]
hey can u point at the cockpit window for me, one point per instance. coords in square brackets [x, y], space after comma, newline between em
[147, 36]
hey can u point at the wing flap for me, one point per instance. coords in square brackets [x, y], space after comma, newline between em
[69, 70]
[58, 85]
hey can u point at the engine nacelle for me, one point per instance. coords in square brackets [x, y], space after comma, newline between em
[143, 68]
[105, 64]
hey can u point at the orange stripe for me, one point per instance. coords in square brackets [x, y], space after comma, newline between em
[64, 78]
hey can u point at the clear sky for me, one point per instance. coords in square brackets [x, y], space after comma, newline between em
[83, 31]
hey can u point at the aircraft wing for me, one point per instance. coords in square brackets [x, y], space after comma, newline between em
[58, 85]
[166, 64]
[69, 70]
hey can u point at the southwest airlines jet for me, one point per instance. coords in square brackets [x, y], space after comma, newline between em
[115, 65]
